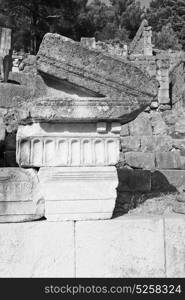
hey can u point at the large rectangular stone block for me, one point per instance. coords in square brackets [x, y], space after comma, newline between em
[168, 180]
[168, 160]
[124, 247]
[141, 126]
[140, 160]
[81, 193]
[20, 197]
[37, 249]
[130, 143]
[68, 144]
[175, 246]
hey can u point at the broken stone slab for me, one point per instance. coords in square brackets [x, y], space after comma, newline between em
[169, 160]
[141, 126]
[76, 83]
[78, 193]
[115, 85]
[68, 144]
[20, 197]
[161, 143]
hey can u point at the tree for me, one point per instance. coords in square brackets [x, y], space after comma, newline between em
[162, 12]
[166, 39]
[128, 15]
[28, 15]
[119, 21]
[32, 18]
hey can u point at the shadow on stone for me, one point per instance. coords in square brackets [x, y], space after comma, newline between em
[137, 186]
[14, 82]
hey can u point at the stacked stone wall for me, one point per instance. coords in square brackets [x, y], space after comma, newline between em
[152, 158]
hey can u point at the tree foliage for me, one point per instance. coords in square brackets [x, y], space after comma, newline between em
[163, 12]
[77, 18]
[166, 38]
[31, 19]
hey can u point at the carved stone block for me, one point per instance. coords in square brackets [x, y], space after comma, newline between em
[20, 198]
[72, 144]
[78, 193]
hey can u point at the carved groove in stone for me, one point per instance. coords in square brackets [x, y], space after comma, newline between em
[56, 151]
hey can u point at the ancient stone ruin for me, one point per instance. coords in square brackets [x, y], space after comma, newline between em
[93, 131]
[83, 127]
[68, 128]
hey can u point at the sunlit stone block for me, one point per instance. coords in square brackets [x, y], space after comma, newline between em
[20, 197]
[78, 193]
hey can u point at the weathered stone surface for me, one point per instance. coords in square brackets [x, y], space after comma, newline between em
[141, 126]
[147, 143]
[20, 197]
[168, 160]
[175, 246]
[177, 76]
[125, 247]
[37, 249]
[70, 144]
[118, 84]
[134, 180]
[158, 124]
[130, 143]
[168, 180]
[96, 87]
[170, 117]
[2, 131]
[156, 143]
[142, 43]
[179, 207]
[78, 193]
[140, 160]
[29, 64]
[180, 125]
[180, 145]
[13, 94]
[124, 130]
